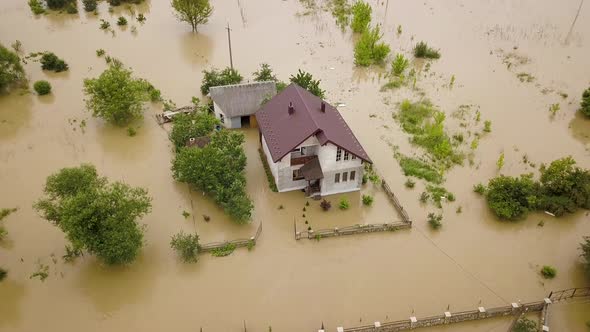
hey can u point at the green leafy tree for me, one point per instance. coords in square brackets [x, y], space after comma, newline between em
[11, 70]
[361, 16]
[214, 77]
[511, 198]
[369, 50]
[116, 96]
[95, 215]
[191, 125]
[264, 74]
[218, 170]
[36, 7]
[187, 246]
[585, 103]
[524, 324]
[565, 187]
[306, 81]
[193, 12]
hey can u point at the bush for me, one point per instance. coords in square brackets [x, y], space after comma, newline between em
[420, 169]
[511, 198]
[100, 52]
[42, 87]
[480, 189]
[187, 246]
[422, 50]
[191, 125]
[548, 272]
[369, 50]
[565, 187]
[121, 21]
[50, 61]
[11, 70]
[3, 273]
[524, 324]
[89, 5]
[424, 197]
[437, 194]
[344, 205]
[399, 64]
[361, 16]
[487, 126]
[59, 4]
[435, 220]
[36, 7]
[367, 200]
[410, 183]
[141, 18]
[269, 176]
[306, 81]
[585, 103]
[104, 25]
[326, 205]
[226, 250]
[214, 77]
[264, 74]
[585, 247]
[71, 8]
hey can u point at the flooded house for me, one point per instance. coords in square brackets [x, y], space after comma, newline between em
[234, 105]
[308, 145]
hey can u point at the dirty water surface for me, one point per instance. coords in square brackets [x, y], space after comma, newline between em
[282, 283]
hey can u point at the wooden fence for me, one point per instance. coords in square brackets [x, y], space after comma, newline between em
[403, 214]
[354, 229]
[238, 243]
[569, 294]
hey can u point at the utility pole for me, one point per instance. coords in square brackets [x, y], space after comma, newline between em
[231, 62]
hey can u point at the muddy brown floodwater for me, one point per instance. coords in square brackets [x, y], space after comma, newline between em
[289, 285]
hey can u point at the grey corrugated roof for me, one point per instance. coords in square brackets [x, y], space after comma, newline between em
[242, 99]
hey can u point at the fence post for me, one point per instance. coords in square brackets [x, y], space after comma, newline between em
[447, 317]
[481, 311]
[413, 322]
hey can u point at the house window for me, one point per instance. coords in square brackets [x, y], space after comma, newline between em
[346, 155]
[297, 175]
[303, 150]
[338, 154]
[344, 176]
[353, 157]
[337, 178]
[352, 175]
[221, 118]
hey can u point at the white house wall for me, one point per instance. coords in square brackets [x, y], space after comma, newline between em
[230, 123]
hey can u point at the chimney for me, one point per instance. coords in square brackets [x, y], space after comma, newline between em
[291, 108]
[323, 107]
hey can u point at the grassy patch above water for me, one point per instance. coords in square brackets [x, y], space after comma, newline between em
[438, 194]
[341, 12]
[422, 170]
[224, 251]
[271, 179]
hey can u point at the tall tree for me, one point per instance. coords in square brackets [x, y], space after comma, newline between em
[95, 215]
[11, 70]
[194, 12]
[306, 81]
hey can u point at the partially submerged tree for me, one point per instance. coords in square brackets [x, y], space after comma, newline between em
[95, 215]
[194, 12]
[511, 198]
[564, 187]
[215, 77]
[116, 96]
[306, 81]
[585, 103]
[191, 125]
[369, 49]
[264, 74]
[11, 70]
[361, 16]
[187, 246]
[218, 169]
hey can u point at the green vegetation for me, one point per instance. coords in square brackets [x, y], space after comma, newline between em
[435, 220]
[371, 174]
[71, 253]
[264, 74]
[420, 169]
[42, 272]
[438, 194]
[524, 324]
[116, 96]
[511, 198]
[341, 11]
[131, 132]
[5, 212]
[306, 81]
[399, 64]
[3, 273]
[554, 108]
[95, 215]
[585, 247]
[214, 77]
[525, 77]
[218, 170]
[361, 16]
[104, 25]
[367, 200]
[487, 126]
[121, 21]
[410, 183]
[186, 245]
[480, 189]
[42, 87]
[100, 52]
[60, 4]
[89, 5]
[193, 12]
[224, 251]
[344, 204]
[422, 50]
[585, 103]
[191, 125]
[548, 272]
[50, 61]
[369, 50]
[271, 179]
[36, 7]
[500, 161]
[141, 18]
[11, 70]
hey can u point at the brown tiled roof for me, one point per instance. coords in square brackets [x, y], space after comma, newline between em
[284, 131]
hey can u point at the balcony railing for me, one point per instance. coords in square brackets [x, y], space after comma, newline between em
[301, 160]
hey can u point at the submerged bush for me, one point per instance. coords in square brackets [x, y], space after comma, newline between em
[215, 77]
[524, 324]
[419, 169]
[42, 87]
[89, 5]
[511, 198]
[399, 64]
[585, 248]
[369, 50]
[435, 220]
[11, 69]
[479, 188]
[326, 205]
[191, 125]
[3, 273]
[361, 16]
[548, 272]
[585, 103]
[264, 74]
[122, 21]
[367, 200]
[422, 50]
[344, 204]
[36, 7]
[50, 61]
[186, 245]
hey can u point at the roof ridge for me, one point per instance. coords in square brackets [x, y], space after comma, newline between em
[317, 127]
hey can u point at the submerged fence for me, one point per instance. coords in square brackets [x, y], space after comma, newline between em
[569, 294]
[403, 214]
[237, 243]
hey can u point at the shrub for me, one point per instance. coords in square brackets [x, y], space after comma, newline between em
[585, 103]
[487, 126]
[3, 273]
[50, 61]
[141, 18]
[104, 25]
[424, 197]
[121, 21]
[548, 272]
[100, 52]
[479, 188]
[269, 176]
[344, 204]
[511, 198]
[306, 81]
[585, 248]
[71, 8]
[191, 125]
[36, 7]
[187, 246]
[341, 11]
[59, 4]
[89, 5]
[422, 50]
[264, 74]
[437, 194]
[500, 161]
[42, 87]
[369, 50]
[410, 183]
[435, 220]
[367, 200]
[131, 131]
[11, 69]
[224, 251]
[326, 205]
[554, 108]
[71, 253]
[399, 64]
[361, 16]
[565, 187]
[524, 324]
[420, 169]
[214, 77]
